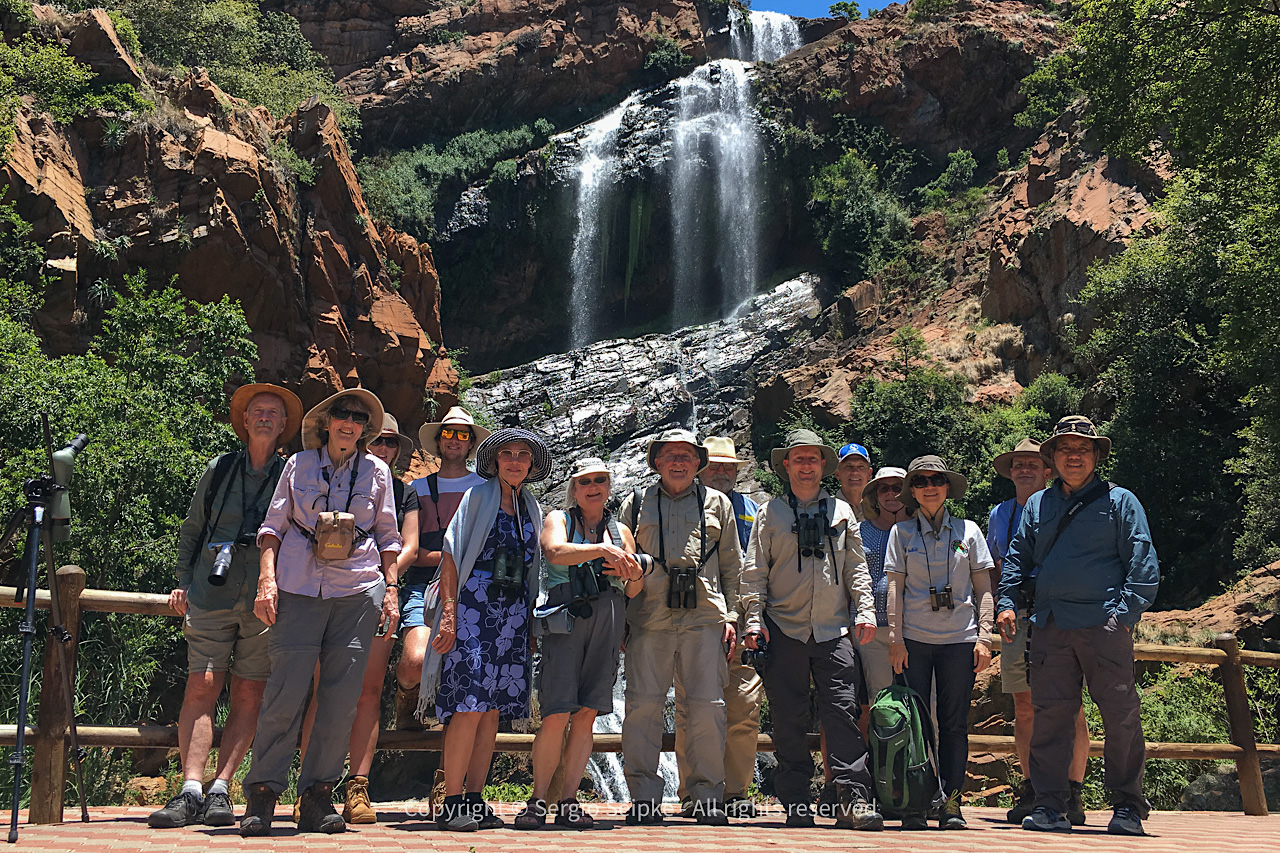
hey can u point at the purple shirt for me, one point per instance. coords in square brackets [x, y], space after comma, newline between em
[309, 486]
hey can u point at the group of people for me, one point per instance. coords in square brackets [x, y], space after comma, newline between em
[709, 594]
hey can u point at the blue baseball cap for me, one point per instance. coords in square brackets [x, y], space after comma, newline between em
[850, 449]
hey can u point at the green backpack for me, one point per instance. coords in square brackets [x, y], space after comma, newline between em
[903, 753]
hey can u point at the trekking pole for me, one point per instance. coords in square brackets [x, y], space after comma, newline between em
[35, 517]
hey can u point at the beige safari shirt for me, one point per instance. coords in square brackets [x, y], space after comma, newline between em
[806, 596]
[717, 582]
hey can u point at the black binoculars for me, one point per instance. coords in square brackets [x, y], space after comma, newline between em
[809, 531]
[758, 657]
[682, 588]
[939, 600]
[585, 585]
[508, 571]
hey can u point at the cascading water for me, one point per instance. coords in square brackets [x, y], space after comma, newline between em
[596, 169]
[716, 159]
[763, 36]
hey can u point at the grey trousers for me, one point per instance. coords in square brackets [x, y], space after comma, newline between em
[1060, 660]
[337, 632]
[833, 665]
[654, 660]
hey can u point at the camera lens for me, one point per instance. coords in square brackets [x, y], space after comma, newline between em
[221, 565]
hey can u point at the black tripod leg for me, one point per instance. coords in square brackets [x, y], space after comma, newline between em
[62, 639]
[31, 556]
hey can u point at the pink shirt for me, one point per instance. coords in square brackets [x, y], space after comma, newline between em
[308, 486]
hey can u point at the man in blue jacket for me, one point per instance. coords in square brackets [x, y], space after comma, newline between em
[1086, 582]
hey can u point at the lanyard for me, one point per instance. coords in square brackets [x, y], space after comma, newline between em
[822, 512]
[351, 488]
[226, 493]
[925, 547]
[702, 535]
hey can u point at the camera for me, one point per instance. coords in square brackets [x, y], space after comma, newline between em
[508, 571]
[809, 530]
[939, 600]
[585, 585]
[682, 589]
[221, 562]
[1027, 596]
[758, 657]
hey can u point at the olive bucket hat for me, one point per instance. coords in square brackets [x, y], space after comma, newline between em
[1004, 462]
[676, 436]
[1075, 425]
[929, 465]
[803, 438]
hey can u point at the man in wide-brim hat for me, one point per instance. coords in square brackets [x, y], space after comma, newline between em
[222, 632]
[1085, 583]
[804, 567]
[690, 536]
[1030, 473]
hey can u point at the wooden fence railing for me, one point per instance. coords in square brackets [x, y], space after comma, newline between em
[49, 763]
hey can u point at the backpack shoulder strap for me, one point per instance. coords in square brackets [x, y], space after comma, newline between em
[637, 496]
[221, 469]
[433, 486]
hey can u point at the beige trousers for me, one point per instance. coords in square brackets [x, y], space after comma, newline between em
[742, 708]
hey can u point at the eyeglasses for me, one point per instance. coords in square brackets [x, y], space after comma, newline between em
[599, 480]
[515, 455]
[678, 458]
[459, 434]
[385, 441]
[931, 480]
[337, 413]
[889, 487]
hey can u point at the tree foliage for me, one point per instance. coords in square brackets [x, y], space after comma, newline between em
[860, 224]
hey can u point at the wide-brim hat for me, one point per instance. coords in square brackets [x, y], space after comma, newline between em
[927, 465]
[675, 436]
[456, 416]
[803, 438]
[871, 503]
[1075, 425]
[311, 436]
[720, 449]
[1004, 462]
[244, 395]
[391, 425]
[487, 453]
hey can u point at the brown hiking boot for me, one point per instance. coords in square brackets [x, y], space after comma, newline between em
[315, 810]
[259, 811]
[406, 708]
[854, 811]
[358, 809]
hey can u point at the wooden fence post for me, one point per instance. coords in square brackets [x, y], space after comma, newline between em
[49, 763]
[1240, 720]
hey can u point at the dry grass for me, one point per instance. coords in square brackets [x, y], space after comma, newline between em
[1004, 341]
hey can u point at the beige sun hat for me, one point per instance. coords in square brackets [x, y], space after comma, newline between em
[456, 416]
[720, 449]
[391, 425]
[870, 502]
[583, 466]
[292, 406]
[1004, 462]
[675, 436]
[803, 438]
[929, 465]
[1075, 425]
[313, 436]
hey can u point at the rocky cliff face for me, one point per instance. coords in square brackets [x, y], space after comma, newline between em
[200, 189]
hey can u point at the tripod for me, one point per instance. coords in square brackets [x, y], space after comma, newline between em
[40, 492]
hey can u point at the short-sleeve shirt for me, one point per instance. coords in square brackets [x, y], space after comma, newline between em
[935, 559]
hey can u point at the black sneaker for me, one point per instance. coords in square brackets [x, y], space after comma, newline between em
[644, 814]
[1125, 820]
[182, 810]
[800, 816]
[1045, 819]
[951, 817]
[915, 823]
[711, 814]
[217, 810]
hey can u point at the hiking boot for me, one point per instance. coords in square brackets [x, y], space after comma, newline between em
[295, 814]
[1024, 800]
[855, 812]
[644, 814]
[951, 817]
[357, 808]
[1125, 820]
[316, 812]
[1045, 819]
[1075, 805]
[407, 708]
[800, 816]
[184, 809]
[259, 811]
[571, 813]
[711, 813]
[687, 808]
[217, 810]
[827, 796]
[915, 822]
[455, 815]
[740, 807]
[533, 815]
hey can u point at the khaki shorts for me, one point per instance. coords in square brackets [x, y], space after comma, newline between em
[1013, 661]
[218, 637]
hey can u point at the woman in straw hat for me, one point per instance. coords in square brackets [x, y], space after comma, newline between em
[940, 614]
[589, 572]
[329, 547]
[478, 663]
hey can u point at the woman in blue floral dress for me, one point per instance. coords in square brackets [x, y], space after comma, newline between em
[478, 668]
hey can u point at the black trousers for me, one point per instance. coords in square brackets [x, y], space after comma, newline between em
[833, 666]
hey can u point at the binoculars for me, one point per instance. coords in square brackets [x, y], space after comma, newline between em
[682, 588]
[809, 531]
[585, 585]
[221, 562]
[508, 571]
[939, 600]
[758, 657]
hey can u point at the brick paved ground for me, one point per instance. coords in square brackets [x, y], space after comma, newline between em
[1170, 832]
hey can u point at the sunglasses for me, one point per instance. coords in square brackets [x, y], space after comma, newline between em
[338, 413]
[598, 479]
[1075, 427]
[385, 441]
[888, 487]
[459, 434]
[931, 480]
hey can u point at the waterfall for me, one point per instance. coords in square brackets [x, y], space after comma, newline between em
[716, 158]
[770, 36]
[596, 168]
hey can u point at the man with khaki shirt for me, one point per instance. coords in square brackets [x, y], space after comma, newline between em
[804, 566]
[683, 626]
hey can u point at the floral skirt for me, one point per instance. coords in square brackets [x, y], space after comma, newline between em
[488, 667]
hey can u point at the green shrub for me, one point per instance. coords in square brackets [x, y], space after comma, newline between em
[283, 155]
[860, 225]
[846, 9]
[957, 176]
[442, 35]
[1049, 90]
[666, 58]
[928, 10]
